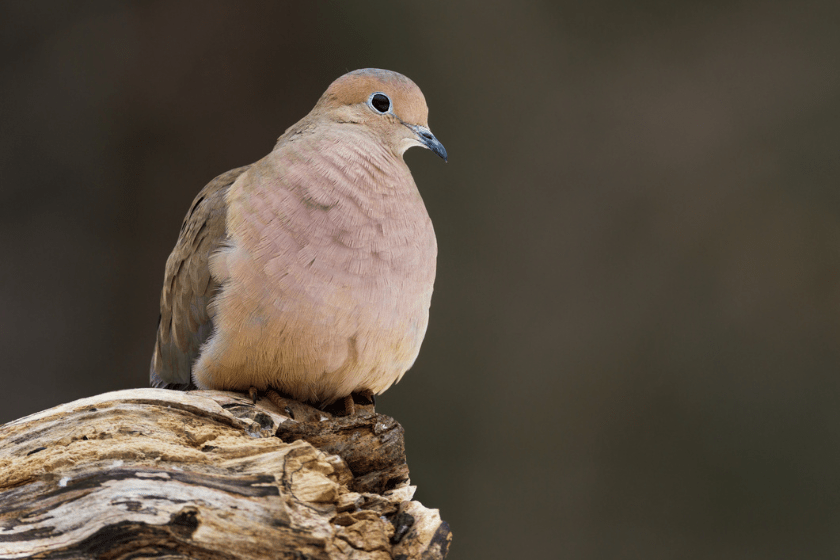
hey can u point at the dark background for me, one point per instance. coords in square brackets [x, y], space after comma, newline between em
[633, 349]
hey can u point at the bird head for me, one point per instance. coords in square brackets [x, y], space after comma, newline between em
[388, 103]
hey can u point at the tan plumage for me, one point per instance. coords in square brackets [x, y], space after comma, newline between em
[310, 271]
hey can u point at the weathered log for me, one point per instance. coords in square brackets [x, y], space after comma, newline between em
[206, 474]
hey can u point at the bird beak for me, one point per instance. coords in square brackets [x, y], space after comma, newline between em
[428, 139]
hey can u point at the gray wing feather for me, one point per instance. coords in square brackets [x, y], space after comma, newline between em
[188, 287]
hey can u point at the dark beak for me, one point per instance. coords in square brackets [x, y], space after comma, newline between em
[428, 139]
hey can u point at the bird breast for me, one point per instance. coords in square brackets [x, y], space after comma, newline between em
[330, 235]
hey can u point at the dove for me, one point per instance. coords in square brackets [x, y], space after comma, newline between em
[309, 272]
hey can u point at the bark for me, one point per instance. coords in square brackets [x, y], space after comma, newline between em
[157, 473]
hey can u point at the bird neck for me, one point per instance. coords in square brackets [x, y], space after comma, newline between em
[347, 156]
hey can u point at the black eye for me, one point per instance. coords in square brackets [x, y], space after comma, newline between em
[380, 102]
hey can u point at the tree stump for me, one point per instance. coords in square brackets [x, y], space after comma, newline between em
[207, 474]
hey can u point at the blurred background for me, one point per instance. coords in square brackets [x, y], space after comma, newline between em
[635, 335]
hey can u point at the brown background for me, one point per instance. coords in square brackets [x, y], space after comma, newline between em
[633, 350]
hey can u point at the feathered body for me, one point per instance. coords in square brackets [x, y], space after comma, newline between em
[310, 271]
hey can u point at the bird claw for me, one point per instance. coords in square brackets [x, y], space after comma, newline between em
[280, 402]
[367, 395]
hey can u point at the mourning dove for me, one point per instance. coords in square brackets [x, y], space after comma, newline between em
[309, 272]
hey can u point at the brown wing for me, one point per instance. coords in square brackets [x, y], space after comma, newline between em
[188, 287]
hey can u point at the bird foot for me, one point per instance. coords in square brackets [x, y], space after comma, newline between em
[361, 398]
[366, 396]
[280, 402]
[349, 406]
[254, 394]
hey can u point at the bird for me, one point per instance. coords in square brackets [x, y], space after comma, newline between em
[311, 271]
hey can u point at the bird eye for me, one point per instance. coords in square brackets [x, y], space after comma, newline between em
[380, 102]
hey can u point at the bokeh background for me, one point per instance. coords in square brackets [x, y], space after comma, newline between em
[635, 335]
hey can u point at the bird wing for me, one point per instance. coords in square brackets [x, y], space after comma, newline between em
[188, 287]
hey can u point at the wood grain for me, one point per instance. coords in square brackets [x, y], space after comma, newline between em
[205, 474]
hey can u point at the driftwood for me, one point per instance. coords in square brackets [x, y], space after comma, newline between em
[157, 473]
